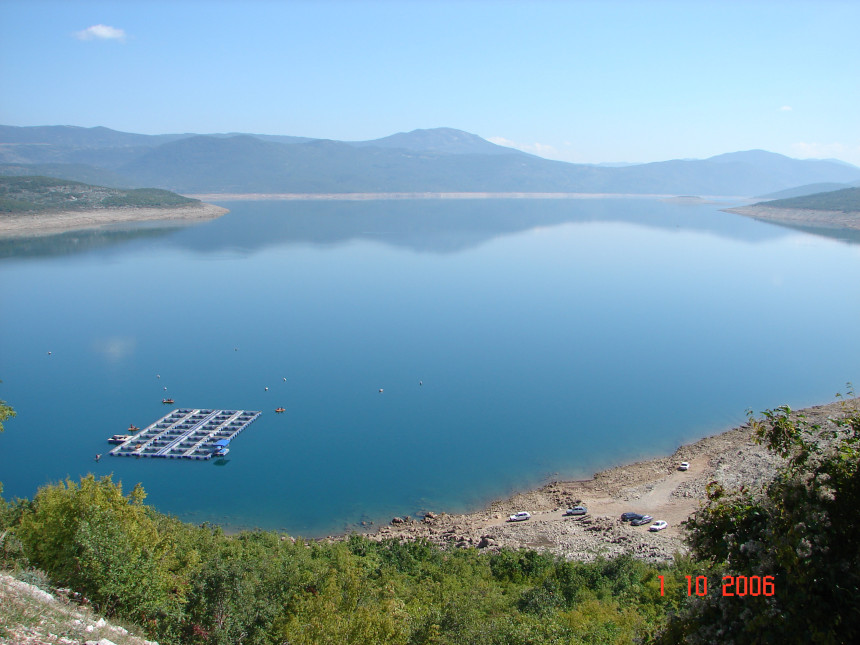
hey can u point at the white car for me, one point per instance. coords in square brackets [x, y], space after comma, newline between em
[519, 517]
[659, 525]
[684, 466]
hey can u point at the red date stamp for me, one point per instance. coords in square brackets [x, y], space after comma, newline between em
[739, 586]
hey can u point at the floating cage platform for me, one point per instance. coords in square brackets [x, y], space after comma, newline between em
[186, 434]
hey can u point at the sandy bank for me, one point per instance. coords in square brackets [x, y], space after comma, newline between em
[655, 487]
[40, 224]
[800, 216]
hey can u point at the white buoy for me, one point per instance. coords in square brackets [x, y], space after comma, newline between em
[267, 389]
[158, 376]
[380, 390]
[49, 353]
[420, 382]
[285, 379]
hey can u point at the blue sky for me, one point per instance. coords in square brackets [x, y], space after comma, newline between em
[578, 81]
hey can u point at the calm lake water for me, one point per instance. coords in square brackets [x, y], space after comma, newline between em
[553, 338]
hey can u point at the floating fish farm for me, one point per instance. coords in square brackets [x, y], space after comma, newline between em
[187, 434]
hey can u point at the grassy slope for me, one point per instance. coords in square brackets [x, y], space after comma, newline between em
[28, 614]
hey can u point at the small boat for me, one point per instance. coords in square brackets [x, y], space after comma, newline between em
[279, 410]
[98, 456]
[167, 401]
[119, 438]
[132, 428]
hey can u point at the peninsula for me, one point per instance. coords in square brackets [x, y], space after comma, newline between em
[35, 206]
[833, 209]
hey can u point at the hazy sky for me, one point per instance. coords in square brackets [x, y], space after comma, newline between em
[580, 81]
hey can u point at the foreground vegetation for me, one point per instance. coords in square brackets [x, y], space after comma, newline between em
[19, 195]
[193, 584]
[187, 584]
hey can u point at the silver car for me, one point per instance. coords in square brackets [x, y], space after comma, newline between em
[576, 510]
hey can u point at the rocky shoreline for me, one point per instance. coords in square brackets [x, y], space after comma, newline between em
[655, 487]
[51, 223]
[800, 216]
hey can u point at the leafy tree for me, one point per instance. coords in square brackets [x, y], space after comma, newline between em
[6, 412]
[104, 544]
[346, 608]
[123, 568]
[242, 586]
[517, 566]
[542, 599]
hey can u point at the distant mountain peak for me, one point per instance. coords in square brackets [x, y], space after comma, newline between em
[443, 131]
[747, 156]
[447, 141]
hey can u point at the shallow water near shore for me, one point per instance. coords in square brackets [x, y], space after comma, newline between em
[515, 341]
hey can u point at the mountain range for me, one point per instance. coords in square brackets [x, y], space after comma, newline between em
[434, 160]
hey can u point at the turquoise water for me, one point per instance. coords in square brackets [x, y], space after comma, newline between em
[552, 338]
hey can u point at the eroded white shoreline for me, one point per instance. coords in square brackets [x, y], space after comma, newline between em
[801, 216]
[230, 197]
[42, 224]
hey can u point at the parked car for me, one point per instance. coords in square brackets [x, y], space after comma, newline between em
[659, 525]
[642, 520]
[684, 466]
[519, 517]
[576, 510]
[626, 517]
